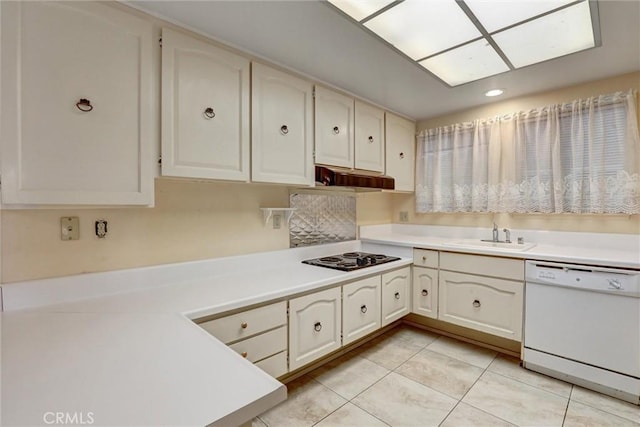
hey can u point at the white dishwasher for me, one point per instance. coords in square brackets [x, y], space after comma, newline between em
[582, 325]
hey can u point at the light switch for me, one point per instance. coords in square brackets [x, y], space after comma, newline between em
[69, 228]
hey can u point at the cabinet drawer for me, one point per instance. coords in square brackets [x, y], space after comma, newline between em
[484, 265]
[425, 258]
[425, 292]
[482, 303]
[275, 365]
[360, 308]
[396, 295]
[248, 323]
[314, 326]
[263, 345]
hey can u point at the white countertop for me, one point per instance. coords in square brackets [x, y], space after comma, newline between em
[610, 250]
[121, 346]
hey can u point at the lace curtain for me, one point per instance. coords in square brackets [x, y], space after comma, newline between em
[581, 157]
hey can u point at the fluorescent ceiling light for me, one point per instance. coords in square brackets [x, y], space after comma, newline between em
[467, 63]
[460, 41]
[359, 9]
[494, 92]
[557, 34]
[421, 28]
[495, 15]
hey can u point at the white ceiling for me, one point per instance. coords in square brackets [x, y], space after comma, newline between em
[314, 38]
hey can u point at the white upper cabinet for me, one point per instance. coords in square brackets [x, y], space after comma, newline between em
[369, 137]
[205, 110]
[400, 151]
[334, 128]
[281, 128]
[77, 105]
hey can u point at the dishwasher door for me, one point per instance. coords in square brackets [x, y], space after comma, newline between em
[582, 325]
[597, 329]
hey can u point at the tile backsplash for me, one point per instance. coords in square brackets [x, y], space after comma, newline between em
[321, 218]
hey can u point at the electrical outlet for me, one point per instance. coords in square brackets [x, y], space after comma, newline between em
[277, 221]
[404, 216]
[101, 228]
[69, 228]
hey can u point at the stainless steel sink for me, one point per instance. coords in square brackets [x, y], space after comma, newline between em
[503, 246]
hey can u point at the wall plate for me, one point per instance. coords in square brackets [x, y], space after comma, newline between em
[69, 228]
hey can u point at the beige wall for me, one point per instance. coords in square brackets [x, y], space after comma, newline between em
[565, 222]
[191, 221]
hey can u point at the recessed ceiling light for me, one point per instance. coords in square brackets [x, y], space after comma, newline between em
[494, 92]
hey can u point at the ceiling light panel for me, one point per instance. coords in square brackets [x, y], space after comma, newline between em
[360, 9]
[557, 34]
[420, 28]
[497, 14]
[466, 63]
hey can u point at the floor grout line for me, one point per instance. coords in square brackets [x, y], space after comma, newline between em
[566, 408]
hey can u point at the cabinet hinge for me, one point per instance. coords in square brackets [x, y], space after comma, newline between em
[314, 92]
[159, 160]
[160, 41]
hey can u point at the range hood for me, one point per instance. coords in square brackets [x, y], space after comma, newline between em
[340, 177]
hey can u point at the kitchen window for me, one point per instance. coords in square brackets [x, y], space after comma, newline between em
[580, 157]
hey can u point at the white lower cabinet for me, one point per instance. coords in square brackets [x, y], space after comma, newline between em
[396, 294]
[486, 304]
[259, 335]
[360, 308]
[314, 326]
[425, 292]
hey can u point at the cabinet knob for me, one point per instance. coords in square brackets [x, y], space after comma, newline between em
[397, 295]
[476, 303]
[244, 354]
[402, 155]
[424, 258]
[244, 325]
[84, 105]
[425, 292]
[363, 308]
[209, 113]
[317, 327]
[370, 139]
[336, 130]
[284, 129]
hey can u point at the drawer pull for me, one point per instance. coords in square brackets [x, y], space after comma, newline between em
[84, 105]
[244, 325]
[363, 309]
[424, 258]
[244, 354]
[425, 292]
[209, 113]
[370, 139]
[336, 130]
[397, 295]
[284, 129]
[317, 327]
[476, 303]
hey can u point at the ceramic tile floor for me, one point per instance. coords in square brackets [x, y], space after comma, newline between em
[410, 377]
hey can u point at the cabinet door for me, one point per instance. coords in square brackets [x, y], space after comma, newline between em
[400, 141]
[77, 104]
[396, 297]
[483, 303]
[334, 128]
[205, 110]
[281, 128]
[360, 309]
[314, 326]
[369, 153]
[425, 292]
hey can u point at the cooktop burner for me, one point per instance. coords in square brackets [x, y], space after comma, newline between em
[350, 261]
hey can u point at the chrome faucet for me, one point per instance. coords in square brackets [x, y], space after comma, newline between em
[508, 235]
[495, 232]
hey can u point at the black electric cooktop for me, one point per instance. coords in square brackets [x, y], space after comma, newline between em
[350, 261]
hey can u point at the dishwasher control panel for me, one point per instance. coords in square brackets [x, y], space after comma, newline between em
[591, 278]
